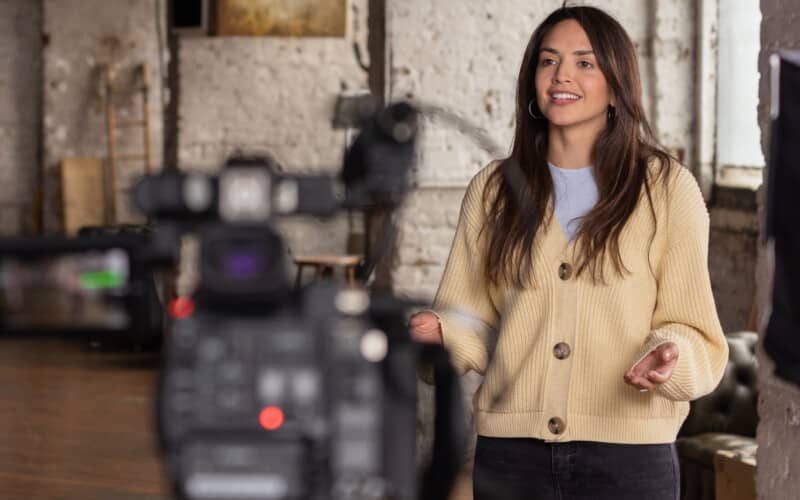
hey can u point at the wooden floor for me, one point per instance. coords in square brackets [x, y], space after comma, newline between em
[77, 423]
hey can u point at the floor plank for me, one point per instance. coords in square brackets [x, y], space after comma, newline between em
[77, 423]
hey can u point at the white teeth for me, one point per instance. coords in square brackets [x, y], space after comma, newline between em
[565, 96]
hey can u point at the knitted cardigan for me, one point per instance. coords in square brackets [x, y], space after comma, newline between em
[553, 353]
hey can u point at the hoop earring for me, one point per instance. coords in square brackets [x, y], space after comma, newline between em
[533, 115]
[611, 114]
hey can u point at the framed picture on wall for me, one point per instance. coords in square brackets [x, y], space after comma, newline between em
[309, 18]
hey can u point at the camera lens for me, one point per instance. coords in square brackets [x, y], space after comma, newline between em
[242, 263]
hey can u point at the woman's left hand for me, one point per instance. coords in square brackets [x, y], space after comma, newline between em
[655, 368]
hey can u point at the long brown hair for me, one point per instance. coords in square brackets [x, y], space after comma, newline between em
[518, 192]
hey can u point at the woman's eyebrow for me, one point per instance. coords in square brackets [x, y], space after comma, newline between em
[577, 52]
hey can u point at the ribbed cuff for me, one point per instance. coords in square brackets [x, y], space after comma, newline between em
[682, 384]
[467, 351]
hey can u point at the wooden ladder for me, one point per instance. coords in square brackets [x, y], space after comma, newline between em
[113, 124]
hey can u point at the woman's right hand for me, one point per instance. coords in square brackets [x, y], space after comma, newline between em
[425, 328]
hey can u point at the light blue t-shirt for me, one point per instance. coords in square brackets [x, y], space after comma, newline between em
[575, 192]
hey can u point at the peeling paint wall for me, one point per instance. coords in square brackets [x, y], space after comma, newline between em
[778, 472]
[82, 35]
[672, 73]
[20, 112]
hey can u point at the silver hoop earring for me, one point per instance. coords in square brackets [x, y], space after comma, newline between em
[533, 115]
[611, 114]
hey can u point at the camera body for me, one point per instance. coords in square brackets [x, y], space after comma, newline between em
[273, 393]
[305, 399]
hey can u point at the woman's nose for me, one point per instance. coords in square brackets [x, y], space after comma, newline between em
[560, 75]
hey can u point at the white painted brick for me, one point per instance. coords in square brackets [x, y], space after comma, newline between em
[267, 94]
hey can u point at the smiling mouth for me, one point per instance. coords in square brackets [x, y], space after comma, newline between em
[564, 97]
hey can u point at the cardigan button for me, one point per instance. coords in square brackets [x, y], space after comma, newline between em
[556, 425]
[564, 271]
[562, 350]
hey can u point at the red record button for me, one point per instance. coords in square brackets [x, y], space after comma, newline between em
[271, 418]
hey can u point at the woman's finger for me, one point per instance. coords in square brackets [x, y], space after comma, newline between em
[643, 383]
[668, 352]
[639, 382]
[417, 319]
[658, 377]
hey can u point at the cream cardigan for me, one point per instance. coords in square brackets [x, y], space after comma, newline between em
[553, 354]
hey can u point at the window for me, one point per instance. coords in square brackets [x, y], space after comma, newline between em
[739, 158]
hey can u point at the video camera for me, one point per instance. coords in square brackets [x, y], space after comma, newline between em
[268, 392]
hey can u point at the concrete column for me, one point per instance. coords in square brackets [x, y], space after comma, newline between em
[778, 472]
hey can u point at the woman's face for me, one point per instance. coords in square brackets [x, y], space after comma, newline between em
[570, 88]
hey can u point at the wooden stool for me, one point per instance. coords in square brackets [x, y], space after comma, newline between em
[325, 264]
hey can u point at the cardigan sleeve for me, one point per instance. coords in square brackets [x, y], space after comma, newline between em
[685, 312]
[466, 313]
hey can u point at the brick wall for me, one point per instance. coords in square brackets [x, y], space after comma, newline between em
[20, 112]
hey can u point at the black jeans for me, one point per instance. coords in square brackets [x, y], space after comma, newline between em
[530, 469]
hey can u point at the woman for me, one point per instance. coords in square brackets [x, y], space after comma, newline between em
[578, 283]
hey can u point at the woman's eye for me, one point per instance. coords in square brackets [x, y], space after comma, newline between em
[585, 64]
[547, 62]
